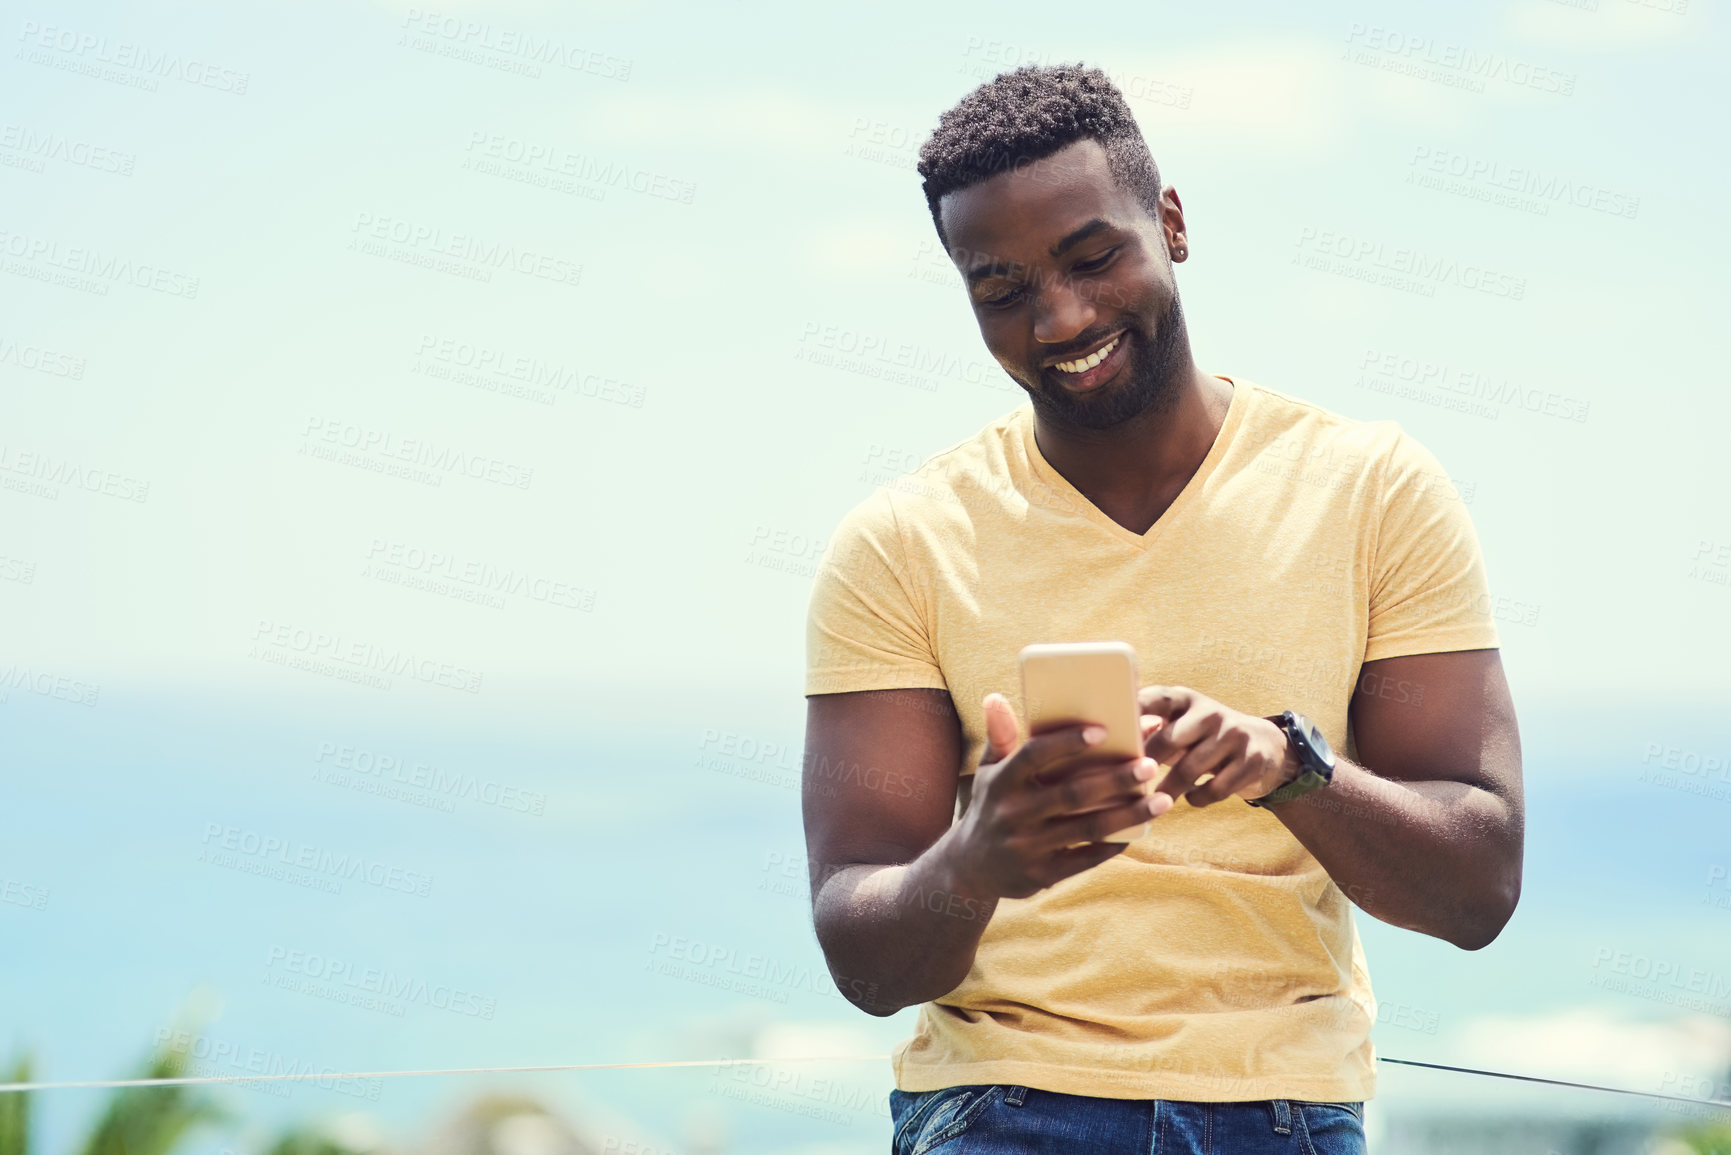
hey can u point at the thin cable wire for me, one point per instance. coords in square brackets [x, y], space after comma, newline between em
[198, 1080]
[1560, 1083]
[201, 1080]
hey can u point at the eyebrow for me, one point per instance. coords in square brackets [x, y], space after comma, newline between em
[1076, 236]
[1066, 242]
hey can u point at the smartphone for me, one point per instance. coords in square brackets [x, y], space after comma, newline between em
[1074, 682]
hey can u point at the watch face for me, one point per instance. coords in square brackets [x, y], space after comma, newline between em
[1318, 742]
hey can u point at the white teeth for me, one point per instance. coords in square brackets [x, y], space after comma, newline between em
[1086, 363]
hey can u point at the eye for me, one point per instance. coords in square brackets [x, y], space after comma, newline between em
[1097, 263]
[1001, 300]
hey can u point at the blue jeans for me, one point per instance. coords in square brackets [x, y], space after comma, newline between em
[996, 1119]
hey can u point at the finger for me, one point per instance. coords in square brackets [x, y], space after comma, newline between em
[1178, 735]
[1207, 757]
[1091, 787]
[1097, 825]
[1215, 756]
[1047, 751]
[1227, 781]
[1153, 745]
[1076, 859]
[1002, 729]
[1165, 701]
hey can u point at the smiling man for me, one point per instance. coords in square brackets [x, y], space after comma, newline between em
[1305, 590]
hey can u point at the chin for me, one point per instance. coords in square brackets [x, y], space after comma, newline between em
[1133, 393]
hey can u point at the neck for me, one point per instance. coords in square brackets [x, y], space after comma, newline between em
[1135, 469]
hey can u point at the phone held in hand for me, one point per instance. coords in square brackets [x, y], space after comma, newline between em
[1072, 682]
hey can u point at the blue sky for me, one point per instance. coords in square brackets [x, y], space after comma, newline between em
[543, 392]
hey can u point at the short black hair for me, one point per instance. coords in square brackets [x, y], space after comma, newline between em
[1026, 115]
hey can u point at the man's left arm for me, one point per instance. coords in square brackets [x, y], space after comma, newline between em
[1425, 832]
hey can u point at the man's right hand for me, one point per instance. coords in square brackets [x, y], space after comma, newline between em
[1031, 804]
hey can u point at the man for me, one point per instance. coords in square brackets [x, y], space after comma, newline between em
[1202, 988]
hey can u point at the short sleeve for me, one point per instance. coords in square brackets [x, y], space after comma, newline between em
[863, 630]
[1428, 592]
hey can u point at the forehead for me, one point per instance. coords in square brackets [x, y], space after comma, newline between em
[1032, 205]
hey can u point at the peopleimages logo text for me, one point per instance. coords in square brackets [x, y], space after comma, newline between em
[86, 261]
[485, 254]
[1422, 267]
[317, 859]
[344, 973]
[98, 49]
[418, 451]
[365, 655]
[64, 471]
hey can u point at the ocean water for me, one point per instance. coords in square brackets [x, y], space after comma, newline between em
[574, 897]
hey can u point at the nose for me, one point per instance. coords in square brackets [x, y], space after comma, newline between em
[1060, 312]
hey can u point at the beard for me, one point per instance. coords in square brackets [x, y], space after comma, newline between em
[1152, 383]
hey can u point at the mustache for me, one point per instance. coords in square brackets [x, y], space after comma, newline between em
[1084, 343]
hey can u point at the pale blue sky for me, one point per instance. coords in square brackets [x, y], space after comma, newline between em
[657, 521]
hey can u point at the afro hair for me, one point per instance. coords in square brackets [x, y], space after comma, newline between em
[1023, 116]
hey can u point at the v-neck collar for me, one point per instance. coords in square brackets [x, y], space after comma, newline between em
[1187, 496]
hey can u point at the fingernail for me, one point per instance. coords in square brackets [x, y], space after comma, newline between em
[1094, 735]
[1145, 769]
[1161, 804]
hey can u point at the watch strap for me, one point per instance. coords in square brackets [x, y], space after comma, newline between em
[1303, 784]
[1309, 777]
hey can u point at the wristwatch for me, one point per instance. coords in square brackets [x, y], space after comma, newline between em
[1315, 760]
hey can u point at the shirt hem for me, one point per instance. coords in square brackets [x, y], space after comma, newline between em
[1440, 643]
[1100, 1084]
[853, 682]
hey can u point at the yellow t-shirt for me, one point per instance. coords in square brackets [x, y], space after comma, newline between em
[1214, 960]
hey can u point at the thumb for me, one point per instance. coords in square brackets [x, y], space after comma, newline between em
[1002, 729]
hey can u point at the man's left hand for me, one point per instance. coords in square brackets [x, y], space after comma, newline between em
[1229, 752]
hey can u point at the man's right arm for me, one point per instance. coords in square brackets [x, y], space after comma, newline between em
[893, 913]
[901, 893]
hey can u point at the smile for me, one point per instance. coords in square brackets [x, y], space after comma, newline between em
[1083, 364]
[1085, 374]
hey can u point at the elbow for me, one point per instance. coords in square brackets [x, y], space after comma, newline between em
[867, 997]
[1488, 919]
[1476, 937]
[865, 994]
[877, 1001]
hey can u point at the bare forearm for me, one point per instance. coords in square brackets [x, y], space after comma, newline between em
[897, 936]
[1439, 857]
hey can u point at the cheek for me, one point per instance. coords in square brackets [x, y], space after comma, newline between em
[1011, 367]
[1000, 340]
[1118, 296]
[1139, 288]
